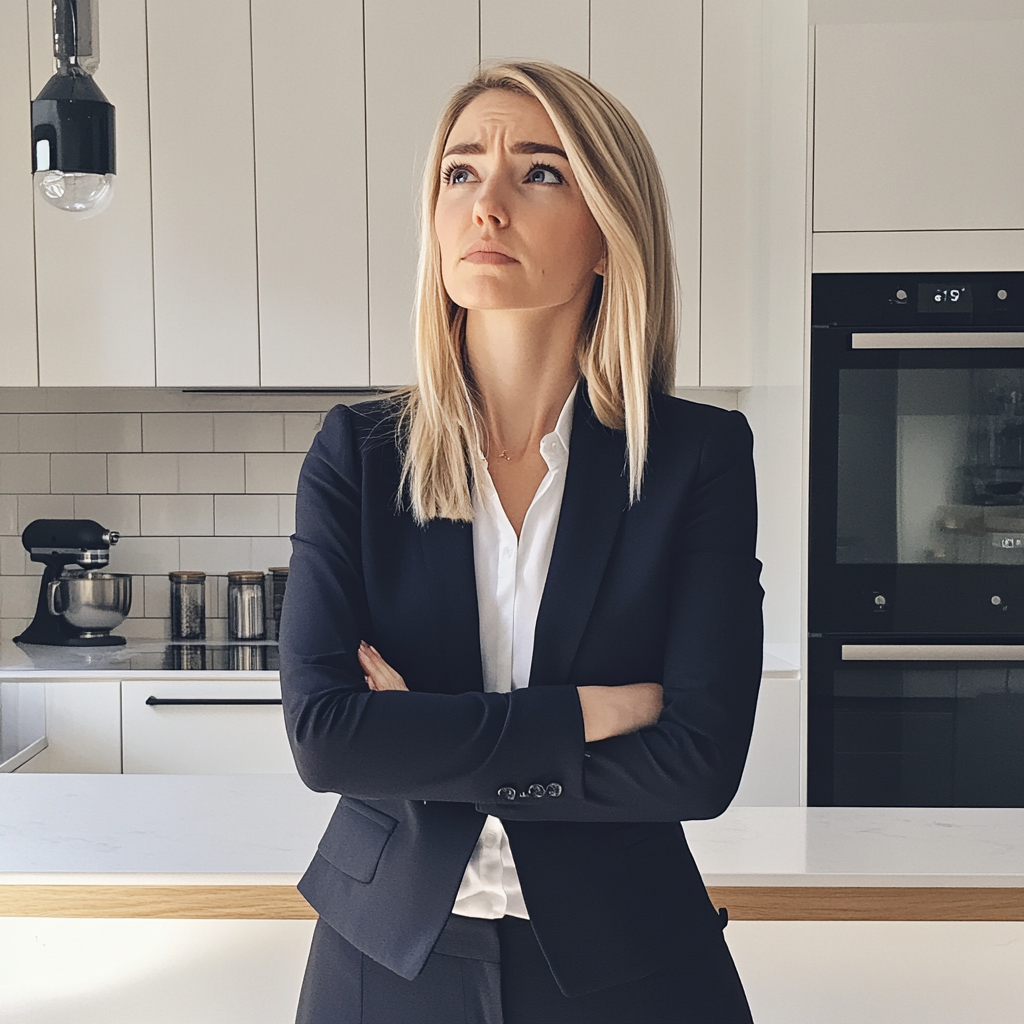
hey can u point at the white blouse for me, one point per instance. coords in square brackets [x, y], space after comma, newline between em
[510, 576]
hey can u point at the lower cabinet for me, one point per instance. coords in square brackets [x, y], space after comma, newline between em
[203, 727]
[83, 728]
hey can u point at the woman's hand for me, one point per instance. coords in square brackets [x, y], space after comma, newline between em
[617, 710]
[379, 674]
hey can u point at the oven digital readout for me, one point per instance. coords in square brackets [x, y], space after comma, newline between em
[944, 298]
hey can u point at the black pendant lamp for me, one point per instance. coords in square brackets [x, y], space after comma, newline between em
[72, 122]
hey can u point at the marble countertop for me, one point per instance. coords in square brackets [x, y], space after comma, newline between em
[138, 658]
[263, 830]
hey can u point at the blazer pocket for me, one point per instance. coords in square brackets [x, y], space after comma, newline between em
[355, 839]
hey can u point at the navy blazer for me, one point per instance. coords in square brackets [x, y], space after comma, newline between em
[665, 590]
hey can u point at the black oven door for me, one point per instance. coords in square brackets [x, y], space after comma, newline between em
[915, 725]
[916, 485]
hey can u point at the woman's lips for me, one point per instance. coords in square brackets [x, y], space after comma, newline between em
[483, 256]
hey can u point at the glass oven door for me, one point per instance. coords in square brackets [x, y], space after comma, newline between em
[915, 725]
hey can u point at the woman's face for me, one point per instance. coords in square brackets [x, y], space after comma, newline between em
[514, 230]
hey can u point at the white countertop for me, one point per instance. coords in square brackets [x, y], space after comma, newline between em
[45, 661]
[263, 829]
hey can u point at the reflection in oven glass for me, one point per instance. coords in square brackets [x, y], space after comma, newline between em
[931, 466]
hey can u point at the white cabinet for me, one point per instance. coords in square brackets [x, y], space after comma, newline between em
[917, 125]
[537, 30]
[94, 277]
[203, 727]
[649, 56]
[416, 54]
[204, 202]
[17, 272]
[772, 775]
[83, 728]
[307, 67]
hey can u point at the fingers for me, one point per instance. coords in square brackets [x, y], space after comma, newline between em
[378, 673]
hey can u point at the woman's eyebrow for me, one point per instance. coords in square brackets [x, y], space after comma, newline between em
[476, 148]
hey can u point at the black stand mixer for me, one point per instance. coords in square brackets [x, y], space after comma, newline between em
[77, 609]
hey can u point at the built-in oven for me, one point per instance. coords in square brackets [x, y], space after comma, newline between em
[916, 559]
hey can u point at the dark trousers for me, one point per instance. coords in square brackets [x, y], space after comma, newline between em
[493, 972]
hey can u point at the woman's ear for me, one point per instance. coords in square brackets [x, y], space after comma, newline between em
[602, 264]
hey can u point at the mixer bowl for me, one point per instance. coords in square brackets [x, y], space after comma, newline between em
[93, 603]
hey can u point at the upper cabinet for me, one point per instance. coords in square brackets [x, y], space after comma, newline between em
[204, 201]
[310, 139]
[416, 55]
[537, 30]
[94, 277]
[18, 367]
[649, 56]
[265, 220]
[917, 124]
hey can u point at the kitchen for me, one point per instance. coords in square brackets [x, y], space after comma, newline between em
[169, 387]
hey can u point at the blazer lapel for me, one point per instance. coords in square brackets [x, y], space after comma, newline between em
[596, 494]
[448, 551]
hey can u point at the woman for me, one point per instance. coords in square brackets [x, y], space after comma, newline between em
[523, 627]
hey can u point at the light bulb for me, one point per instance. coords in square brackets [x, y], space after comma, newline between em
[81, 194]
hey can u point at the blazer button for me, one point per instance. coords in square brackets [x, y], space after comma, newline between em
[536, 790]
[506, 793]
[554, 789]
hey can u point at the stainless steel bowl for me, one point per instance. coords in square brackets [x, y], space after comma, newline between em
[93, 603]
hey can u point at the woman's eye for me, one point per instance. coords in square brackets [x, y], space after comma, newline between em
[541, 175]
[458, 175]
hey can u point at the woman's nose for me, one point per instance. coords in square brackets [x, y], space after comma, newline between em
[491, 206]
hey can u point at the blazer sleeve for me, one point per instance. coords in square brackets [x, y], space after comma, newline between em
[689, 764]
[347, 739]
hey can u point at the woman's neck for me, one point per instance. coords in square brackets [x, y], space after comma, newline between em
[524, 365]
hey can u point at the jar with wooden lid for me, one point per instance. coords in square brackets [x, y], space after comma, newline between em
[188, 604]
[246, 605]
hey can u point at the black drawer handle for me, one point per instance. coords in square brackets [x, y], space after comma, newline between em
[154, 701]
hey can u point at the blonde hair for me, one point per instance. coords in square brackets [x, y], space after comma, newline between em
[627, 339]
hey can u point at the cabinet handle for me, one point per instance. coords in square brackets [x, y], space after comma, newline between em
[154, 701]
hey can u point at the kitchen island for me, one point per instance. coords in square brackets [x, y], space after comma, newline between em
[170, 898]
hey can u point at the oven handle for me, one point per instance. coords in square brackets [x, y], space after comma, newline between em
[933, 652]
[939, 339]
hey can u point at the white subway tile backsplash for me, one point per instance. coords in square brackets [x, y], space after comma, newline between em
[270, 551]
[18, 596]
[176, 515]
[286, 514]
[108, 432]
[148, 473]
[245, 515]
[44, 506]
[13, 558]
[46, 432]
[145, 628]
[145, 555]
[114, 511]
[219, 555]
[189, 481]
[9, 432]
[8, 514]
[267, 473]
[210, 474]
[78, 474]
[177, 432]
[25, 474]
[10, 628]
[299, 430]
[248, 432]
[155, 592]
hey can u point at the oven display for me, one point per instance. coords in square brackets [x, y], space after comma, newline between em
[944, 298]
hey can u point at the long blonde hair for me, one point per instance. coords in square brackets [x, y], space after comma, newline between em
[627, 339]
